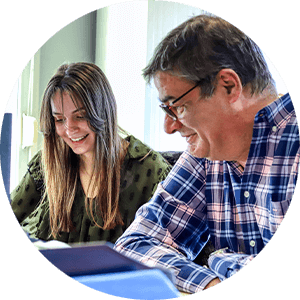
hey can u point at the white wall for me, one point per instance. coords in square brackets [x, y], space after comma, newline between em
[121, 43]
[280, 84]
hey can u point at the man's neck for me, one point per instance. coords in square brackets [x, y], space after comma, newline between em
[255, 105]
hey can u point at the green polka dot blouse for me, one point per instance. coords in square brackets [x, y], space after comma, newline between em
[139, 179]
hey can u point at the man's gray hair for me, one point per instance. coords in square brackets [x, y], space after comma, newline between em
[202, 46]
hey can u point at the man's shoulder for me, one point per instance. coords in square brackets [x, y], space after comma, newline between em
[186, 177]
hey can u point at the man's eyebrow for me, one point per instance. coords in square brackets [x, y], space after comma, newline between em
[73, 112]
[166, 99]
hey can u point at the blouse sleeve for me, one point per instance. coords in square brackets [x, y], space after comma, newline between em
[27, 195]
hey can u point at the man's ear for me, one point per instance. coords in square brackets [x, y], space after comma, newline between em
[230, 81]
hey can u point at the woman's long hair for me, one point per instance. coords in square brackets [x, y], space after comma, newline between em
[86, 84]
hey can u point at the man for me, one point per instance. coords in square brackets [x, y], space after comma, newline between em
[235, 182]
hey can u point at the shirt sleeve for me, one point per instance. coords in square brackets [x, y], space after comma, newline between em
[167, 233]
[226, 263]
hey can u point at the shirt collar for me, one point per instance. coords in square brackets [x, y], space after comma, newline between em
[275, 112]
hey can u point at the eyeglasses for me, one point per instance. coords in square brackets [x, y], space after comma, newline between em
[167, 108]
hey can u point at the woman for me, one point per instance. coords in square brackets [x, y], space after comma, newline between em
[87, 182]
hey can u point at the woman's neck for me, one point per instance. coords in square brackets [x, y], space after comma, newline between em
[87, 162]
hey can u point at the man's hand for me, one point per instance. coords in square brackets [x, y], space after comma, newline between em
[212, 283]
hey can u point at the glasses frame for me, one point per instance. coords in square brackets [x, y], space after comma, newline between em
[167, 108]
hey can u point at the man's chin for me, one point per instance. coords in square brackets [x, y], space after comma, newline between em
[199, 153]
[195, 151]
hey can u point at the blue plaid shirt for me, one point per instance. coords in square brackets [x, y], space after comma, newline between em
[238, 210]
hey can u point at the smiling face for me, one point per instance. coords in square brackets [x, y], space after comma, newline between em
[169, 88]
[72, 126]
[210, 126]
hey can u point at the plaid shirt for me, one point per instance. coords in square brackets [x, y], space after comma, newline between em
[238, 210]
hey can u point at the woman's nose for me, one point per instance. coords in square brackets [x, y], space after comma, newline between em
[70, 126]
[171, 126]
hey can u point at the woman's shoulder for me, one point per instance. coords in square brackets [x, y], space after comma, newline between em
[143, 163]
[34, 166]
[137, 150]
[36, 159]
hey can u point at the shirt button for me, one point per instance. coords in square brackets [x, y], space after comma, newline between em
[246, 194]
[252, 243]
[274, 128]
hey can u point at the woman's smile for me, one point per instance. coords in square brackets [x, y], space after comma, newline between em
[72, 126]
[74, 140]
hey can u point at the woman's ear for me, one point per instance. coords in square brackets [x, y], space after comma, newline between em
[230, 81]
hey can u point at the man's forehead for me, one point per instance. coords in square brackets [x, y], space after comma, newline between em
[163, 76]
[163, 83]
[170, 86]
[167, 78]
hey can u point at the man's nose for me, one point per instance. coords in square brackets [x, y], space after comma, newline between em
[170, 125]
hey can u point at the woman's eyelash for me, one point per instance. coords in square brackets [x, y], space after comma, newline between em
[81, 117]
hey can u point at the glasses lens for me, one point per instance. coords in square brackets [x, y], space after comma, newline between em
[166, 109]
